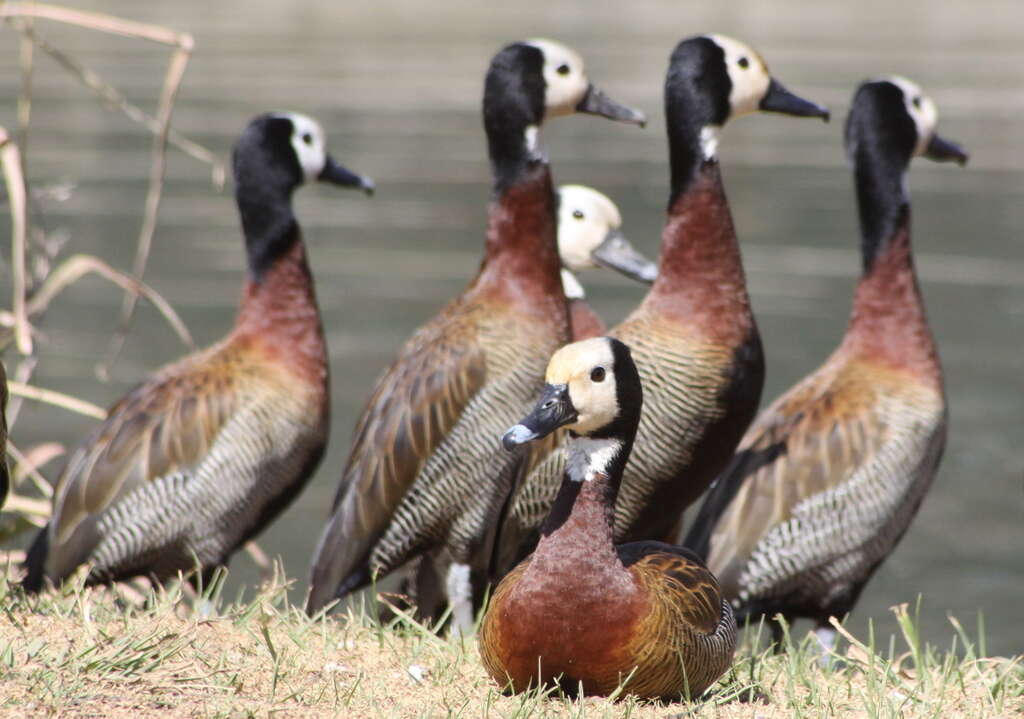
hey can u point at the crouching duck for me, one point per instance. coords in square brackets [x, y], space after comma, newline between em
[579, 611]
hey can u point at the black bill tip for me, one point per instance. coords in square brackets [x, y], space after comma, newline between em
[338, 175]
[516, 436]
[943, 150]
[596, 102]
[779, 99]
[616, 253]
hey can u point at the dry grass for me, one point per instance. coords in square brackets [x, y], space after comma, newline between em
[90, 653]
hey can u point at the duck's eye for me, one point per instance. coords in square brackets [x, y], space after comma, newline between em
[578, 214]
[562, 69]
[307, 138]
[743, 62]
[917, 102]
[597, 374]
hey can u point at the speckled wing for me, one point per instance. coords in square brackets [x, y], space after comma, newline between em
[414, 405]
[828, 475]
[131, 474]
[700, 600]
[689, 621]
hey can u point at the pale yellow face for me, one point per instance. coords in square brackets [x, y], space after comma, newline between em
[588, 369]
[565, 77]
[748, 73]
[585, 216]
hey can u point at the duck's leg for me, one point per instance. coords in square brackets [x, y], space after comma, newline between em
[826, 636]
[459, 586]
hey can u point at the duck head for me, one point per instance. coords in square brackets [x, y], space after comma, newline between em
[528, 83]
[589, 236]
[276, 153]
[713, 78]
[710, 80]
[285, 150]
[894, 117]
[891, 121]
[591, 387]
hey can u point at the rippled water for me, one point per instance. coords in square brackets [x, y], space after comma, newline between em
[397, 86]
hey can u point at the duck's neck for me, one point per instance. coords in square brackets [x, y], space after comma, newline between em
[692, 136]
[279, 309]
[580, 524]
[700, 279]
[880, 176]
[888, 323]
[511, 124]
[521, 260]
[268, 223]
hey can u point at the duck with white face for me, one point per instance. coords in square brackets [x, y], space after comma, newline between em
[206, 452]
[827, 479]
[580, 610]
[590, 236]
[410, 487]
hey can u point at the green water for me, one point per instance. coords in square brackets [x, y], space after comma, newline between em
[397, 87]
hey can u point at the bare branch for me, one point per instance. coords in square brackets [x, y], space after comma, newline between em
[172, 81]
[72, 404]
[76, 266]
[108, 93]
[11, 160]
[97, 21]
[30, 470]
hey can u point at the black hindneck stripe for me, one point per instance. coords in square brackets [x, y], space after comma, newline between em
[880, 138]
[697, 89]
[270, 230]
[514, 91]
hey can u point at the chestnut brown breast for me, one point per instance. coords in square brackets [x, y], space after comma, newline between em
[696, 345]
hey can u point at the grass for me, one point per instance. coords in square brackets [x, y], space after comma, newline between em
[92, 653]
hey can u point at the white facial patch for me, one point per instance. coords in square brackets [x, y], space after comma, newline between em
[920, 108]
[566, 80]
[593, 396]
[748, 73]
[590, 457]
[585, 216]
[308, 143]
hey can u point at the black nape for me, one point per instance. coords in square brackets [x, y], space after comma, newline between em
[697, 89]
[880, 140]
[266, 173]
[514, 92]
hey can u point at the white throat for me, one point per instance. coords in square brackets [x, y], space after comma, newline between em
[530, 135]
[571, 286]
[709, 141]
[589, 457]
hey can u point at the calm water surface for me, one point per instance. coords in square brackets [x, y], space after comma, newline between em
[397, 85]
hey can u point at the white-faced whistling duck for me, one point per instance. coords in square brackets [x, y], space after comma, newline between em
[589, 237]
[693, 336]
[828, 478]
[580, 610]
[414, 479]
[206, 452]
